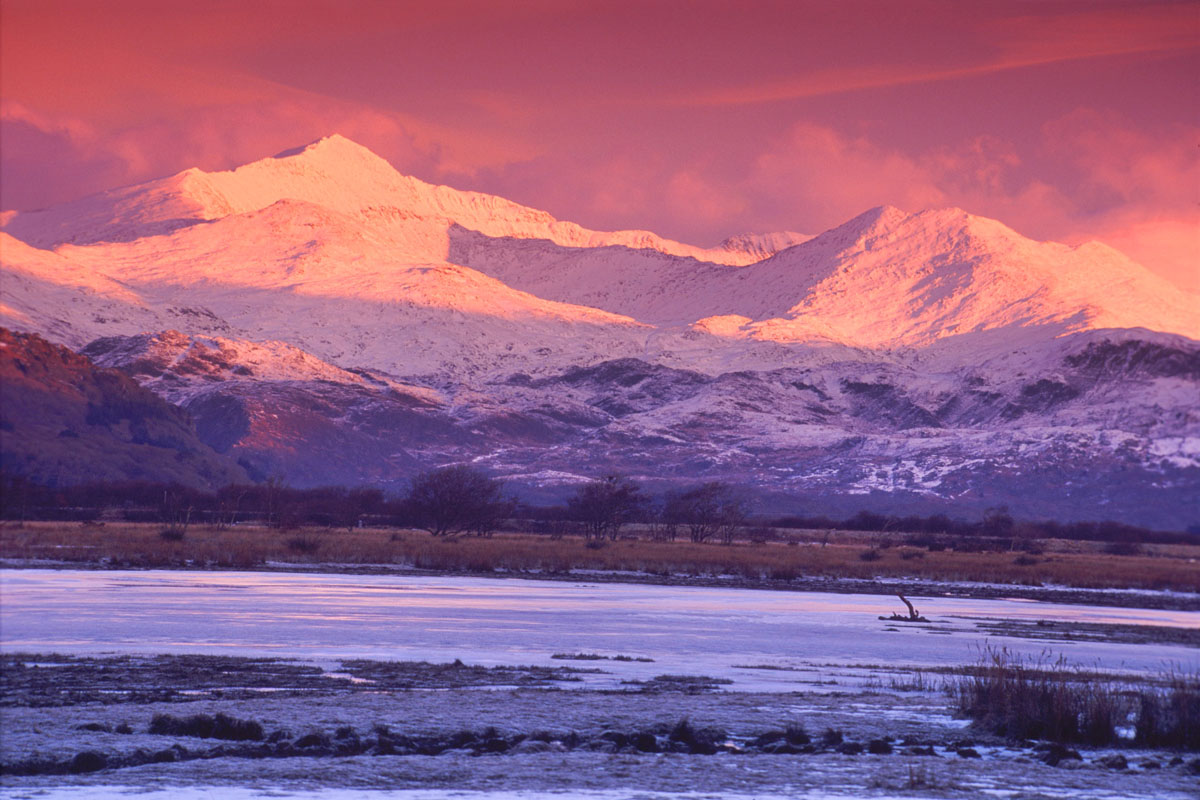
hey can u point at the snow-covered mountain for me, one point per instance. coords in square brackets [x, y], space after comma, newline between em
[325, 318]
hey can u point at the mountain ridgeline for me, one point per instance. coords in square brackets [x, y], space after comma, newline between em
[321, 318]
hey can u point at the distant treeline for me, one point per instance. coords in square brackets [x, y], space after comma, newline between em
[705, 507]
[268, 503]
[996, 524]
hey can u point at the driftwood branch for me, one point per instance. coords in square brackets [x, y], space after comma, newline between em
[913, 614]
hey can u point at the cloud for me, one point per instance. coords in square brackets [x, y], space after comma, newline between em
[50, 158]
[818, 175]
[1092, 176]
[1000, 44]
[40, 154]
[1134, 190]
[1087, 174]
[687, 192]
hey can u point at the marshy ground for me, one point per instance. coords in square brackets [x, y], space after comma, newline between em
[599, 714]
[150, 723]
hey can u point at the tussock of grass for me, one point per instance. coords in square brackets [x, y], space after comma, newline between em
[1170, 717]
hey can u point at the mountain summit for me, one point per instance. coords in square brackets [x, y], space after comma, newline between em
[333, 222]
[338, 175]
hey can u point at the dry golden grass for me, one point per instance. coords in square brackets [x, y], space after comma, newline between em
[813, 554]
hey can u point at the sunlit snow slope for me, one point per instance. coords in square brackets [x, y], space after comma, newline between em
[346, 309]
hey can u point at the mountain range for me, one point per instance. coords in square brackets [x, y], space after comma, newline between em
[319, 317]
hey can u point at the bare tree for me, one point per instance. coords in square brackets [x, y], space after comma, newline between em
[229, 503]
[456, 499]
[663, 528]
[604, 505]
[707, 510]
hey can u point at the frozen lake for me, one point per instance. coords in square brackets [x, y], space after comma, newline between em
[689, 630]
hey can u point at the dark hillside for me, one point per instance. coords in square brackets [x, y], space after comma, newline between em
[64, 421]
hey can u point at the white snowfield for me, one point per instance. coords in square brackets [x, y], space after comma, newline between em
[328, 248]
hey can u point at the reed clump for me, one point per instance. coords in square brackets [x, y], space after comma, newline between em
[1048, 699]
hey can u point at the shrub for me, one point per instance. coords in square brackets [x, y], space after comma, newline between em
[172, 534]
[304, 544]
[869, 555]
[761, 534]
[1123, 549]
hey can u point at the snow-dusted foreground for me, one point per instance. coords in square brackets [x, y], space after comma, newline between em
[694, 630]
[176, 793]
[821, 648]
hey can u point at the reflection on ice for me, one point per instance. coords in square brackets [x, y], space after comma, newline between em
[689, 630]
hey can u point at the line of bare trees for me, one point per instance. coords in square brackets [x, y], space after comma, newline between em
[458, 499]
[707, 511]
[462, 499]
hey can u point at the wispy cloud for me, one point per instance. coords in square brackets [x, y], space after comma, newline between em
[1004, 45]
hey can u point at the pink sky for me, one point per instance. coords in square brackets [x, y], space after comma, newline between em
[1066, 120]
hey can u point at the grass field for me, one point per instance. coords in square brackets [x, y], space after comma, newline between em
[801, 554]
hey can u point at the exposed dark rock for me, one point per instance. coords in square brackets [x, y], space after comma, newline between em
[203, 726]
[94, 726]
[88, 761]
[645, 742]
[313, 740]
[831, 737]
[920, 751]
[1056, 753]
[1113, 360]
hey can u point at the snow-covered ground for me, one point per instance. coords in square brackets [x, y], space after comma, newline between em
[229, 793]
[822, 661]
[721, 633]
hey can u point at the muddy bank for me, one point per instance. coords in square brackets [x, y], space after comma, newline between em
[1062, 632]
[48, 679]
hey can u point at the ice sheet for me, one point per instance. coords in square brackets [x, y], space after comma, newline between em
[686, 630]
